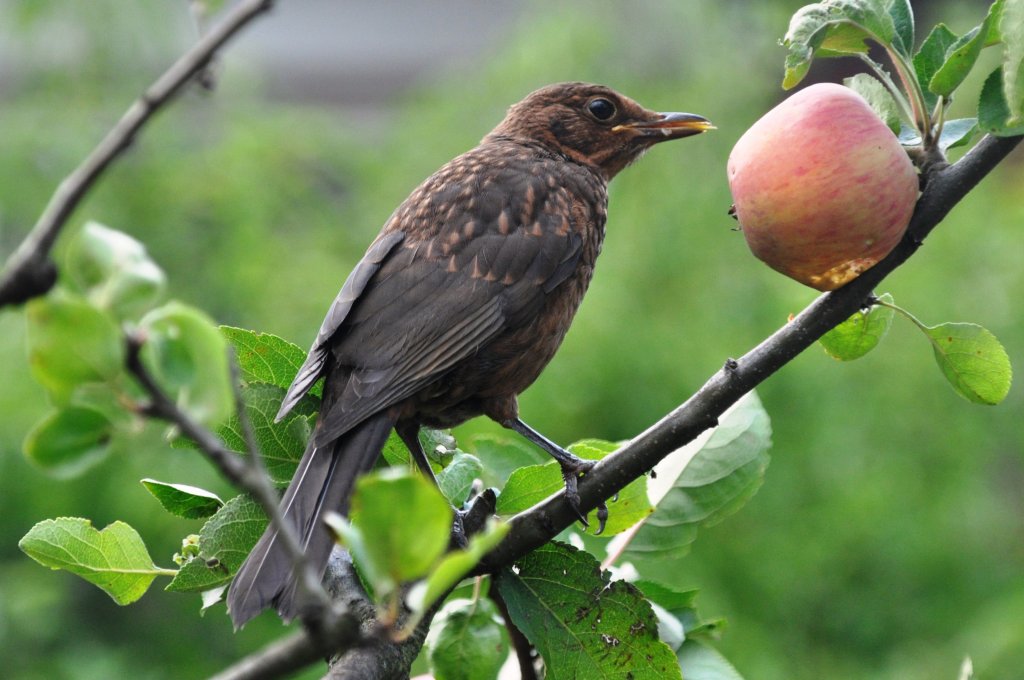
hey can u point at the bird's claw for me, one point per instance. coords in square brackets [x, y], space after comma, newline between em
[571, 473]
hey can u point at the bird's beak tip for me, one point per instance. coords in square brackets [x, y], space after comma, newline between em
[671, 125]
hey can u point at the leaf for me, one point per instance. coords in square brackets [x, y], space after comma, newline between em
[69, 441]
[700, 661]
[583, 624]
[114, 270]
[833, 28]
[70, 342]
[456, 479]
[467, 641]
[528, 486]
[704, 482]
[1011, 27]
[224, 541]
[188, 356]
[504, 456]
[114, 559]
[878, 98]
[960, 57]
[532, 484]
[903, 21]
[930, 58]
[438, 445]
[266, 358]
[973, 361]
[454, 566]
[183, 500]
[666, 596]
[395, 548]
[859, 334]
[957, 132]
[993, 111]
[280, 443]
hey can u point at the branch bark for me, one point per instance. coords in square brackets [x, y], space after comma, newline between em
[29, 272]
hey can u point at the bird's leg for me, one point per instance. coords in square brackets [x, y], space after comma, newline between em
[573, 467]
[409, 433]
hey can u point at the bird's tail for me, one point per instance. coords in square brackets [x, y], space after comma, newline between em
[322, 483]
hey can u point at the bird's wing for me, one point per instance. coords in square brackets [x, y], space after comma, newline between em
[435, 301]
[313, 367]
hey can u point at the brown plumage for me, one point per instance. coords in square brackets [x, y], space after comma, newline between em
[458, 304]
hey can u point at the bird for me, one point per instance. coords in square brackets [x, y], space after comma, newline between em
[456, 307]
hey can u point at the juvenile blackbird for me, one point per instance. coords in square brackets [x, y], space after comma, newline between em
[457, 306]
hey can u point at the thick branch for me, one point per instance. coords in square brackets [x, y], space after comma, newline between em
[944, 188]
[29, 272]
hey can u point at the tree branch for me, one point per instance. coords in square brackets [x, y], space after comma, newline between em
[29, 272]
[944, 187]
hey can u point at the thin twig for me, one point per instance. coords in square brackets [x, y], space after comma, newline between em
[944, 188]
[29, 272]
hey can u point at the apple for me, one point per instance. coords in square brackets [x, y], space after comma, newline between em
[822, 188]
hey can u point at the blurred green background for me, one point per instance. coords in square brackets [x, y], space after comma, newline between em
[887, 541]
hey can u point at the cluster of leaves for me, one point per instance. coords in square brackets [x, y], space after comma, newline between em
[556, 596]
[915, 106]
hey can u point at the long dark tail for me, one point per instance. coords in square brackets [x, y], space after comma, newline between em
[322, 483]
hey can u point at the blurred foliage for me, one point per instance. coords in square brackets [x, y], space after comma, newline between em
[886, 541]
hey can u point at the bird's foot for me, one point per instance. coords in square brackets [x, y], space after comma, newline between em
[472, 517]
[574, 467]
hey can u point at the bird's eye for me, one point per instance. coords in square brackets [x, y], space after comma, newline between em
[601, 108]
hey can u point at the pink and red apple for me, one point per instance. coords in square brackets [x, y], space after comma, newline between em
[822, 188]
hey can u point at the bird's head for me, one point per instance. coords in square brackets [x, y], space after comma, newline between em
[594, 125]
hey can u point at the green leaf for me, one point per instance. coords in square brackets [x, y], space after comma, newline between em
[454, 566]
[528, 486]
[957, 132]
[188, 356]
[114, 271]
[69, 441]
[70, 343]
[973, 361]
[114, 559]
[532, 484]
[834, 28]
[903, 21]
[266, 358]
[700, 661]
[438, 445]
[930, 58]
[583, 624]
[467, 641]
[993, 111]
[183, 500]
[456, 479]
[1011, 26]
[878, 98]
[704, 482]
[280, 443]
[396, 548]
[859, 334]
[224, 541]
[666, 596]
[960, 57]
[504, 456]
